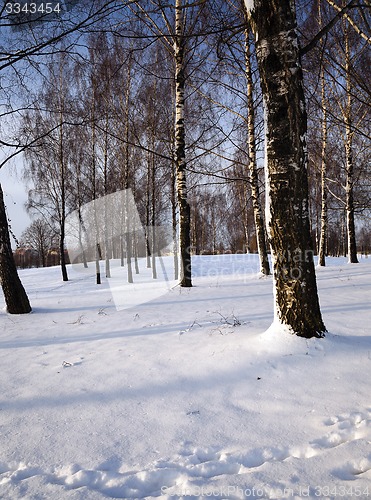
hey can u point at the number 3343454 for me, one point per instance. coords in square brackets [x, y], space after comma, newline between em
[32, 8]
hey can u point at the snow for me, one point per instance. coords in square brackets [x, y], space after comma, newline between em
[190, 395]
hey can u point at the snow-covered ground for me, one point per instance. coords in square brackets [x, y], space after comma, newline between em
[189, 395]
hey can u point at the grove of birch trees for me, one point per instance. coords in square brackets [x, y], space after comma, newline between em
[207, 113]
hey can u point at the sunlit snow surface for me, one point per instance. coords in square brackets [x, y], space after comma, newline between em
[190, 395]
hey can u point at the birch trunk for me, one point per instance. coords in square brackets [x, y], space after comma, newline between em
[153, 222]
[295, 288]
[324, 217]
[152, 176]
[254, 180]
[62, 215]
[148, 219]
[94, 188]
[122, 247]
[128, 241]
[125, 181]
[184, 208]
[174, 224]
[352, 246]
[82, 229]
[135, 251]
[14, 293]
[107, 246]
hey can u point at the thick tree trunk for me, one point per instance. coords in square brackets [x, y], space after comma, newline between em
[15, 296]
[254, 180]
[184, 208]
[323, 237]
[296, 298]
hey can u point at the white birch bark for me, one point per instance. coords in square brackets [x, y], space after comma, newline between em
[254, 180]
[324, 216]
[184, 208]
[351, 233]
[107, 246]
[295, 289]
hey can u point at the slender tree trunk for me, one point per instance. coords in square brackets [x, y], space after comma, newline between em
[174, 224]
[148, 218]
[135, 251]
[253, 170]
[82, 229]
[152, 167]
[247, 239]
[62, 239]
[122, 249]
[125, 174]
[97, 263]
[352, 246]
[96, 228]
[184, 208]
[14, 293]
[94, 192]
[296, 298]
[128, 228]
[242, 195]
[62, 252]
[128, 240]
[344, 244]
[323, 236]
[82, 249]
[153, 228]
[107, 246]
[43, 251]
[62, 221]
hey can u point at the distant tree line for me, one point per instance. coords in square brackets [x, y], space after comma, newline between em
[108, 107]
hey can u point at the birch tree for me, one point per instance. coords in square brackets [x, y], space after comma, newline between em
[343, 66]
[253, 169]
[48, 162]
[175, 25]
[324, 205]
[349, 134]
[181, 182]
[295, 289]
[22, 46]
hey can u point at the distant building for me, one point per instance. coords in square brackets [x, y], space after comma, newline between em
[29, 257]
[26, 257]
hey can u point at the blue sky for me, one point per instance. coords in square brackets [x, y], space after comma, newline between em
[15, 196]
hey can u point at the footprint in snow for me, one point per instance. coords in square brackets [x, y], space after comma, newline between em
[193, 465]
[355, 425]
